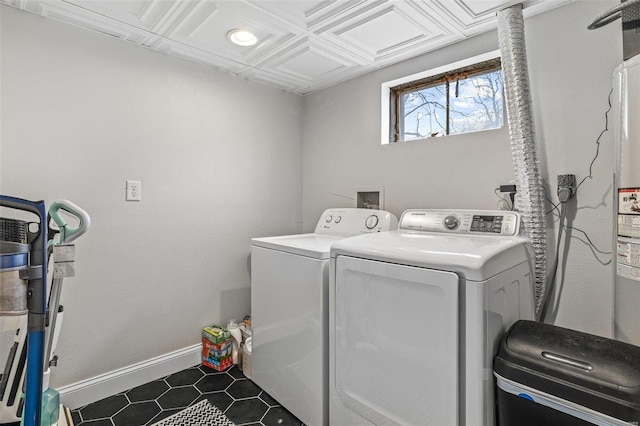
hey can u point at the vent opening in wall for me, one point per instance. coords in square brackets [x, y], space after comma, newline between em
[369, 200]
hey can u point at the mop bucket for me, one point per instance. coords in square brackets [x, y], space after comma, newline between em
[14, 257]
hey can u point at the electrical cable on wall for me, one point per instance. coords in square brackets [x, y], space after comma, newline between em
[550, 201]
[503, 201]
[591, 245]
[344, 196]
[559, 210]
[552, 280]
[606, 128]
[594, 249]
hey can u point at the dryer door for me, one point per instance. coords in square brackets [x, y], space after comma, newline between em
[396, 342]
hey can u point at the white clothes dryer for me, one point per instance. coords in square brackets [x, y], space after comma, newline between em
[290, 309]
[416, 316]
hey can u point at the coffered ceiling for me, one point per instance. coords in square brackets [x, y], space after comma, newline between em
[303, 45]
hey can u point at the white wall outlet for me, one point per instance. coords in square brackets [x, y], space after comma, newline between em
[133, 190]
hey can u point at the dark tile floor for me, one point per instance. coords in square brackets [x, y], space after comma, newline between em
[241, 400]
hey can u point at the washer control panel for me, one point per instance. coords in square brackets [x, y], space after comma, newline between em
[351, 221]
[488, 222]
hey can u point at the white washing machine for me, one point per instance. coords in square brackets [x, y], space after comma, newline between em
[416, 316]
[290, 309]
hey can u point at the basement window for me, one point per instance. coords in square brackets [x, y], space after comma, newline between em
[461, 98]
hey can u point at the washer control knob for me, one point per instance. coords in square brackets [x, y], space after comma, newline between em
[371, 221]
[328, 218]
[451, 222]
[338, 219]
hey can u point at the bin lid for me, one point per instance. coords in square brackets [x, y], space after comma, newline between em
[589, 370]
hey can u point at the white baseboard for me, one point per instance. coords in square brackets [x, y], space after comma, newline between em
[96, 388]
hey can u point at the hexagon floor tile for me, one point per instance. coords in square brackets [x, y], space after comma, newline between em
[243, 402]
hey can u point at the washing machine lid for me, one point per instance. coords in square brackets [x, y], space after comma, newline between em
[334, 224]
[473, 257]
[309, 245]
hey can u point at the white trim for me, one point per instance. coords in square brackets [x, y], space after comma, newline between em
[386, 87]
[95, 388]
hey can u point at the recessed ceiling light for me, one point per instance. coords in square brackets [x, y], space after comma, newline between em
[242, 37]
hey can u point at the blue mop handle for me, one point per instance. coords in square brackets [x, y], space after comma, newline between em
[37, 305]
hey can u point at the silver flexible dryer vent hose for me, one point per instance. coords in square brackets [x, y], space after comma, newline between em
[522, 135]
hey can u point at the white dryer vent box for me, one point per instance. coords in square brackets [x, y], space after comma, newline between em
[372, 198]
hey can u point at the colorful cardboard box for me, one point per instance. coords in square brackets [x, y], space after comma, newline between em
[217, 348]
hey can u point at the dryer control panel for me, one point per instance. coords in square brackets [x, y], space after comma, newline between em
[347, 222]
[486, 222]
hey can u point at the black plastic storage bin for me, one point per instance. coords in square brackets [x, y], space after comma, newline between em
[548, 375]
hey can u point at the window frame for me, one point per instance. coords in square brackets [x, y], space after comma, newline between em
[391, 90]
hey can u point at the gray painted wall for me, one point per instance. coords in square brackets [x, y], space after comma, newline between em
[217, 156]
[570, 72]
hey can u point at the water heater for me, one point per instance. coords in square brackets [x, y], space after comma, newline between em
[627, 206]
[626, 110]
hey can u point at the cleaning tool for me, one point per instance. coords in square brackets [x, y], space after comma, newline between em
[14, 240]
[23, 277]
[63, 267]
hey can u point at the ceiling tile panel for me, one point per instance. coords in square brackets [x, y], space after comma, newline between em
[164, 16]
[310, 65]
[458, 13]
[206, 28]
[181, 50]
[372, 33]
[484, 7]
[126, 11]
[388, 29]
[474, 16]
[88, 19]
[157, 12]
[295, 12]
[304, 45]
[308, 61]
